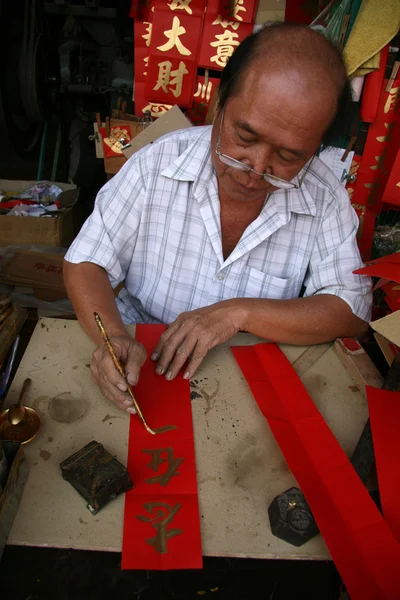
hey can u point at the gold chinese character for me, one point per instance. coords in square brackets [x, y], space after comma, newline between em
[157, 110]
[157, 460]
[160, 519]
[146, 64]
[380, 162]
[181, 5]
[114, 140]
[147, 36]
[237, 8]
[398, 184]
[224, 45]
[388, 136]
[173, 39]
[372, 191]
[204, 91]
[391, 99]
[224, 23]
[166, 77]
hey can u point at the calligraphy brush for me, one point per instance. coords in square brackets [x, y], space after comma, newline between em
[120, 369]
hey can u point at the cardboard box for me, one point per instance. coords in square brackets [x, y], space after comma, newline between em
[172, 120]
[46, 231]
[12, 493]
[41, 271]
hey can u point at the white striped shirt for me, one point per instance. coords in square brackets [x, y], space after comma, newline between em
[156, 226]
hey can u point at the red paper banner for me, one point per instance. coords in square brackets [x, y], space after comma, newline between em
[391, 193]
[205, 88]
[361, 543]
[112, 144]
[220, 37]
[170, 81]
[380, 151]
[384, 410]
[161, 521]
[175, 35]
[193, 8]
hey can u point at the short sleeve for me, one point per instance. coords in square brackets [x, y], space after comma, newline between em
[335, 256]
[109, 235]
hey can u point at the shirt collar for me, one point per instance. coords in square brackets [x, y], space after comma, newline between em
[195, 164]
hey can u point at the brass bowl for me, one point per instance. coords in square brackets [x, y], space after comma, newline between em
[25, 431]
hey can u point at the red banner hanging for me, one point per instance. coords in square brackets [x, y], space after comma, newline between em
[161, 521]
[221, 36]
[170, 81]
[173, 56]
[384, 410]
[380, 150]
[361, 543]
[204, 90]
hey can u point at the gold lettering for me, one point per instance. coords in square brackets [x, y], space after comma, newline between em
[181, 5]
[224, 45]
[388, 136]
[391, 99]
[159, 519]
[204, 91]
[114, 140]
[173, 39]
[237, 8]
[147, 36]
[166, 77]
[157, 110]
[224, 23]
[146, 64]
[380, 162]
[157, 460]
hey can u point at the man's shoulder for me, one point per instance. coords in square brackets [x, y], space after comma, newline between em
[321, 180]
[175, 143]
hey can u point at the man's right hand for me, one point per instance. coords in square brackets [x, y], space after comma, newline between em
[113, 386]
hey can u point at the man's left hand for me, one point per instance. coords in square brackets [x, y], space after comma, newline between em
[193, 334]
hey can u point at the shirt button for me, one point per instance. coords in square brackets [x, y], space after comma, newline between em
[220, 277]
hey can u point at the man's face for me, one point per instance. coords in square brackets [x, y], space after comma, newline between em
[274, 124]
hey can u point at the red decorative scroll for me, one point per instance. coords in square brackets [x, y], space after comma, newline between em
[161, 521]
[174, 47]
[221, 36]
[112, 144]
[204, 90]
[391, 193]
[170, 81]
[361, 543]
[384, 411]
[380, 151]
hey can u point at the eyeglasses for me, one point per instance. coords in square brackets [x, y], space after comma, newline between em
[272, 179]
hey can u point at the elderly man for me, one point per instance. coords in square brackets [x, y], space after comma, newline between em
[234, 227]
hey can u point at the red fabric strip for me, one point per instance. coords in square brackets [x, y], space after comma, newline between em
[384, 411]
[360, 542]
[161, 520]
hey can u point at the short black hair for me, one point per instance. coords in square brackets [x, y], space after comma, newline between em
[321, 49]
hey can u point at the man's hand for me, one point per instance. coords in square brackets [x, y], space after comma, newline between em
[193, 334]
[111, 383]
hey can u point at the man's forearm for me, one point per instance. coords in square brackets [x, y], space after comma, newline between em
[89, 290]
[300, 321]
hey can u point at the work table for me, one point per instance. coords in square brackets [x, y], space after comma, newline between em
[240, 468]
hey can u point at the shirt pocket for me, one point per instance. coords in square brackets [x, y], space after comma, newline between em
[256, 284]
